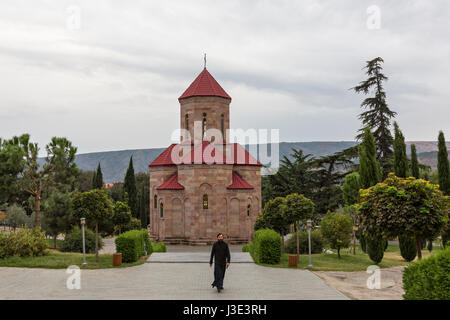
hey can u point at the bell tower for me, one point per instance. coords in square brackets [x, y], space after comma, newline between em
[205, 105]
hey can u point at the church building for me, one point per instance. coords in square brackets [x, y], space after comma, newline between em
[205, 184]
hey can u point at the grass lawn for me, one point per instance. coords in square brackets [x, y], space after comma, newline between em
[348, 261]
[61, 260]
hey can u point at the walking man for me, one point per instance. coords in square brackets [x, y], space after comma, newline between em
[221, 254]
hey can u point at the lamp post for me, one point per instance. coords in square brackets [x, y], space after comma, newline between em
[309, 224]
[83, 222]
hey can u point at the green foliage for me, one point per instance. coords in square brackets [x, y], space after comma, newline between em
[159, 247]
[443, 165]
[27, 242]
[129, 186]
[337, 229]
[93, 205]
[267, 246]
[73, 241]
[121, 216]
[400, 159]
[134, 224]
[363, 243]
[350, 188]
[415, 171]
[16, 216]
[132, 245]
[369, 169]
[297, 208]
[97, 179]
[376, 245]
[247, 247]
[377, 114]
[428, 279]
[56, 216]
[272, 216]
[11, 164]
[317, 242]
[408, 248]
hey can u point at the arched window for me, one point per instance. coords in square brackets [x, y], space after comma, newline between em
[222, 126]
[204, 125]
[155, 201]
[205, 201]
[186, 121]
[248, 210]
[161, 210]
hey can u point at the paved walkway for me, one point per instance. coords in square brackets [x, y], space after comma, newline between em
[167, 281]
[195, 257]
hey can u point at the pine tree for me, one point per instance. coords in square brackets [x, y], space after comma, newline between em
[443, 165]
[414, 163]
[378, 115]
[400, 159]
[129, 187]
[369, 169]
[98, 178]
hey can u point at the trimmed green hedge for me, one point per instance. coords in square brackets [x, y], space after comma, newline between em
[24, 243]
[267, 246]
[159, 247]
[247, 247]
[132, 245]
[428, 279]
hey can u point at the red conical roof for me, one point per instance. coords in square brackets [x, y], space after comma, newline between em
[239, 182]
[204, 85]
[171, 184]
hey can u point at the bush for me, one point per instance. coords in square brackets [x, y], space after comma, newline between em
[428, 279]
[375, 248]
[73, 242]
[25, 243]
[134, 224]
[408, 248]
[159, 247]
[247, 247]
[337, 229]
[316, 242]
[267, 246]
[362, 242]
[132, 243]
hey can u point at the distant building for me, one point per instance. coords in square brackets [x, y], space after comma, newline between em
[109, 185]
[192, 200]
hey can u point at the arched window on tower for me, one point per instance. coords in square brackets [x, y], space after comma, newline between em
[248, 210]
[205, 201]
[155, 201]
[204, 125]
[222, 126]
[186, 122]
[161, 210]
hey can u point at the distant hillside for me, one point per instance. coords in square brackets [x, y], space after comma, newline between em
[115, 163]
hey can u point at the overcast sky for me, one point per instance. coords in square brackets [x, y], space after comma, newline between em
[110, 79]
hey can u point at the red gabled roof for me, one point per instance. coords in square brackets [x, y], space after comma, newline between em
[239, 183]
[171, 184]
[204, 85]
[164, 159]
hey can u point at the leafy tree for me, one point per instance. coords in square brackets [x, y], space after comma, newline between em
[400, 159]
[11, 164]
[95, 206]
[399, 206]
[129, 186]
[16, 216]
[56, 216]
[84, 181]
[415, 171]
[98, 182]
[351, 187]
[59, 163]
[121, 216]
[337, 229]
[443, 165]
[297, 208]
[116, 191]
[369, 169]
[273, 217]
[408, 248]
[377, 115]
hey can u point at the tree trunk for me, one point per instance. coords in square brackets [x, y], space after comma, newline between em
[419, 248]
[282, 243]
[339, 252]
[298, 244]
[354, 242]
[54, 241]
[37, 210]
[96, 242]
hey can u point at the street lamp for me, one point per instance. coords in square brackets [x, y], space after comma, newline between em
[83, 222]
[309, 224]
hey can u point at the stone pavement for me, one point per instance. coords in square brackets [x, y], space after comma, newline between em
[167, 281]
[193, 257]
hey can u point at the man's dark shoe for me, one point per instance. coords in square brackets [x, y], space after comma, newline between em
[218, 289]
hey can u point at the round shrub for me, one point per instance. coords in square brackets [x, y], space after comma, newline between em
[132, 244]
[317, 242]
[267, 246]
[375, 248]
[25, 243]
[159, 247]
[428, 278]
[73, 242]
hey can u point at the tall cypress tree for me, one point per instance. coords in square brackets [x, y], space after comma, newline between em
[415, 172]
[369, 169]
[400, 159]
[99, 178]
[94, 180]
[443, 165]
[142, 206]
[129, 187]
[377, 115]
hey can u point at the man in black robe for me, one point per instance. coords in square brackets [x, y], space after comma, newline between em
[221, 254]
